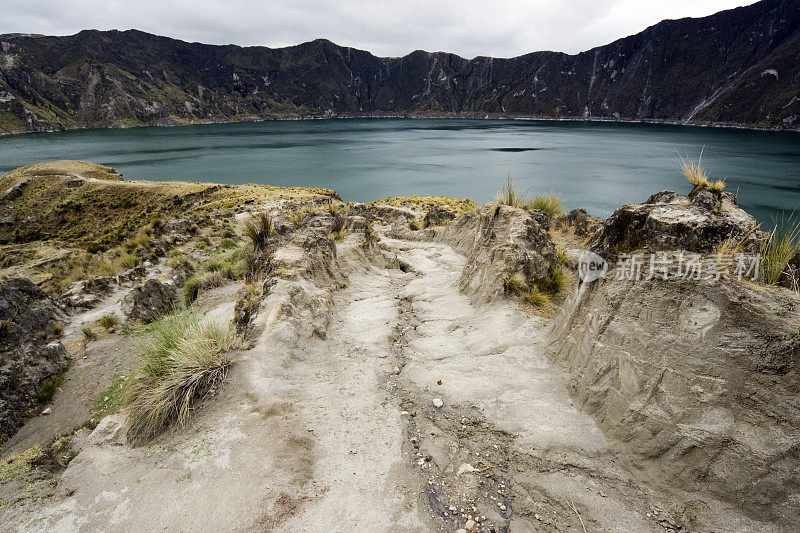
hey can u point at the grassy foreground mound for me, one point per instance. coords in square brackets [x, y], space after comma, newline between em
[61, 218]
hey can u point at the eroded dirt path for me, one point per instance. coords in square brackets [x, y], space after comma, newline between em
[390, 404]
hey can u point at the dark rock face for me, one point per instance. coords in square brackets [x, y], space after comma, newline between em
[671, 221]
[149, 300]
[735, 67]
[29, 351]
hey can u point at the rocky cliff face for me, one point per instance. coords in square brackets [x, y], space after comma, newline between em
[30, 353]
[695, 378]
[737, 67]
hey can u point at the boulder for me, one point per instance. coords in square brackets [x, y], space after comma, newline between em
[87, 293]
[438, 215]
[582, 223]
[385, 214]
[149, 300]
[357, 223]
[671, 221]
[29, 350]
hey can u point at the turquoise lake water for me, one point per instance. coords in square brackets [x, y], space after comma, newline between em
[599, 166]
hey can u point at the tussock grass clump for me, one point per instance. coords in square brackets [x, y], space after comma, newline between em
[128, 261]
[515, 283]
[108, 321]
[183, 362]
[212, 280]
[549, 204]
[780, 246]
[259, 229]
[191, 290]
[339, 229]
[88, 332]
[698, 177]
[537, 298]
[540, 292]
[48, 388]
[370, 236]
[508, 194]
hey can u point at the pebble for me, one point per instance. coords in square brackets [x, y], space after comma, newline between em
[437, 402]
[462, 530]
[537, 517]
[47, 411]
[465, 468]
[502, 507]
[470, 525]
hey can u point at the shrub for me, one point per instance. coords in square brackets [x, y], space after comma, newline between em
[185, 360]
[697, 176]
[108, 321]
[549, 204]
[780, 246]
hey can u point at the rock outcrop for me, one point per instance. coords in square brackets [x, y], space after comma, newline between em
[149, 300]
[671, 221]
[29, 350]
[696, 380]
[499, 242]
[581, 222]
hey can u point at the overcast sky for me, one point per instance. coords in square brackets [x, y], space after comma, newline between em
[500, 28]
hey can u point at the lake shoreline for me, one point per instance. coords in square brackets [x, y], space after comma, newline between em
[414, 116]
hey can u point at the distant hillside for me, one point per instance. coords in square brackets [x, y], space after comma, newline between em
[737, 67]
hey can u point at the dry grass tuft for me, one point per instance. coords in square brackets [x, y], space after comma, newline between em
[780, 246]
[508, 194]
[698, 177]
[259, 229]
[108, 321]
[549, 204]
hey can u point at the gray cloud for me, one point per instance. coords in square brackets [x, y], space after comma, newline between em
[502, 28]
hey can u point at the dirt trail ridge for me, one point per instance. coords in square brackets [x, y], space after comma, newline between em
[386, 403]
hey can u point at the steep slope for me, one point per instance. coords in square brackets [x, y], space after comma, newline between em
[737, 67]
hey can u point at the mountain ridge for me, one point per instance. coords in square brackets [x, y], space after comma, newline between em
[734, 68]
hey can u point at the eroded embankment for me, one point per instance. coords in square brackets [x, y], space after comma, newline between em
[391, 384]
